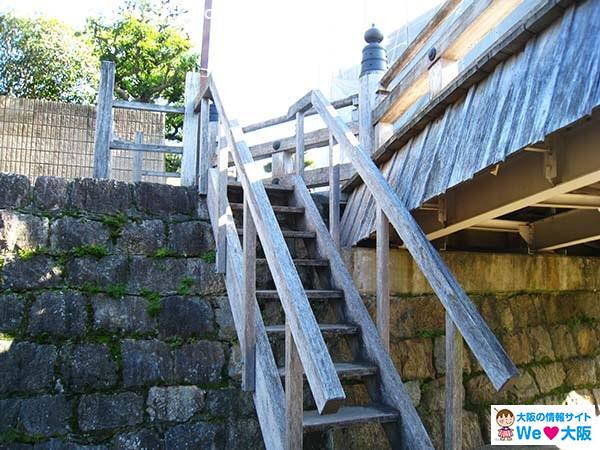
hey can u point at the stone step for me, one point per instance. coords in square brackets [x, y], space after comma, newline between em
[348, 370]
[292, 234]
[349, 415]
[276, 208]
[312, 294]
[327, 329]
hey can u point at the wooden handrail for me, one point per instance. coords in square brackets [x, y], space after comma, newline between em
[318, 366]
[484, 345]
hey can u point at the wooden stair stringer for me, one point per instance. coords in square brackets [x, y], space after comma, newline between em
[410, 431]
[269, 397]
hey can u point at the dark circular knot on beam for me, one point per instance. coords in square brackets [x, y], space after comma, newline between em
[276, 145]
[432, 53]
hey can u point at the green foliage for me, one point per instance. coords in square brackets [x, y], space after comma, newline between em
[268, 168]
[175, 342]
[28, 253]
[172, 162]
[2, 262]
[115, 224]
[43, 58]
[91, 288]
[164, 253]
[12, 436]
[185, 285]
[209, 256]
[153, 301]
[117, 290]
[96, 250]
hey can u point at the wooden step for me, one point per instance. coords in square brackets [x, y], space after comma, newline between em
[349, 415]
[301, 262]
[348, 370]
[237, 186]
[292, 234]
[312, 294]
[329, 329]
[276, 208]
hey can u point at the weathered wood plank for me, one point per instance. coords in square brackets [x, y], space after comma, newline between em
[293, 394]
[153, 107]
[282, 164]
[300, 143]
[383, 278]
[300, 107]
[116, 144]
[157, 173]
[334, 192]
[454, 387]
[320, 372]
[320, 177]
[413, 435]
[138, 159]
[485, 346]
[349, 370]
[205, 149]
[104, 120]
[191, 125]
[221, 240]
[269, 396]
[249, 349]
[349, 415]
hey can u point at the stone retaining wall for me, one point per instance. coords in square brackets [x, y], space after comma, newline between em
[115, 331]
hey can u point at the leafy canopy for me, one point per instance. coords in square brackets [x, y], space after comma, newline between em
[45, 59]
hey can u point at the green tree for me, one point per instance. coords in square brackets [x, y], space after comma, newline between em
[43, 58]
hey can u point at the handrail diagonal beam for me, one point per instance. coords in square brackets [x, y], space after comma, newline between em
[318, 366]
[484, 345]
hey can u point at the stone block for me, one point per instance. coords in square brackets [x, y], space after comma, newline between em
[549, 377]
[104, 412]
[147, 362]
[50, 193]
[518, 347]
[101, 196]
[562, 342]
[67, 233]
[125, 315]
[522, 389]
[198, 435]
[471, 436]
[229, 402]
[581, 372]
[102, 272]
[235, 364]
[27, 367]
[175, 403]
[22, 231]
[185, 317]
[587, 339]
[37, 272]
[479, 391]
[541, 344]
[14, 190]
[87, 367]
[165, 275]
[199, 362]
[58, 313]
[145, 237]
[11, 312]
[58, 444]
[411, 316]
[439, 356]
[143, 439]
[433, 395]
[48, 415]
[244, 434]
[164, 200]
[224, 318]
[414, 358]
[10, 414]
[414, 391]
[191, 238]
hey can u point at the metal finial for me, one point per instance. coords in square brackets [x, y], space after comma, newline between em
[374, 54]
[373, 35]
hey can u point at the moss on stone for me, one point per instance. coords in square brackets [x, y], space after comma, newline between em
[117, 290]
[95, 250]
[185, 286]
[115, 224]
[209, 256]
[153, 299]
[163, 253]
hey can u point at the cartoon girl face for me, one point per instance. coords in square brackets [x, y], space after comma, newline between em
[505, 420]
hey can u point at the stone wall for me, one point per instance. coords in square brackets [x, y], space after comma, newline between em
[545, 309]
[115, 331]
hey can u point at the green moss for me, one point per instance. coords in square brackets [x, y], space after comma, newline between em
[115, 224]
[12, 436]
[95, 250]
[430, 333]
[209, 256]
[91, 288]
[164, 253]
[185, 285]
[117, 290]
[1, 262]
[175, 342]
[28, 253]
[153, 299]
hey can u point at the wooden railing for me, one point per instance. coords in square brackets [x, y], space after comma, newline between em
[305, 348]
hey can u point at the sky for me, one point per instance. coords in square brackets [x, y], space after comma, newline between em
[264, 54]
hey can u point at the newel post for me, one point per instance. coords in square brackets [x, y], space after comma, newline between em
[191, 131]
[373, 66]
[104, 120]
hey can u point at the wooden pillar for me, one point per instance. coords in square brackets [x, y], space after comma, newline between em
[138, 159]
[282, 164]
[104, 120]
[205, 148]
[191, 125]
[294, 410]
[300, 144]
[334, 192]
[249, 258]
[223, 165]
[383, 277]
[454, 387]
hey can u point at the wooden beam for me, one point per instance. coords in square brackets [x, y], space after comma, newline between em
[334, 192]
[320, 177]
[138, 159]
[564, 230]
[205, 149]
[249, 348]
[485, 346]
[300, 143]
[116, 144]
[454, 387]
[294, 399]
[191, 125]
[220, 236]
[301, 106]
[153, 107]
[571, 201]
[104, 120]
[383, 277]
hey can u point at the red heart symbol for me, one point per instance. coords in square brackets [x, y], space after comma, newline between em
[551, 432]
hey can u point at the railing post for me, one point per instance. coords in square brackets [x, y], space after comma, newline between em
[383, 277]
[138, 159]
[454, 387]
[191, 123]
[300, 144]
[249, 260]
[334, 192]
[204, 147]
[281, 162]
[223, 165]
[294, 410]
[104, 120]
